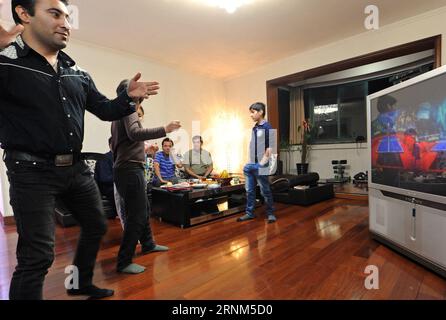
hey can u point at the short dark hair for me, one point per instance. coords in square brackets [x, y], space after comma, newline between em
[258, 106]
[384, 102]
[123, 85]
[167, 140]
[197, 138]
[29, 6]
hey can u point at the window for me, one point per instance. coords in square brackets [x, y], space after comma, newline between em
[353, 111]
[339, 112]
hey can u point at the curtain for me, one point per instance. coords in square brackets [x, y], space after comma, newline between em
[297, 114]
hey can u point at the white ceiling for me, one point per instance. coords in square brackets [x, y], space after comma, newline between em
[187, 34]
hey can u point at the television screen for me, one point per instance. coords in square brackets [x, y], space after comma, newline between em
[408, 137]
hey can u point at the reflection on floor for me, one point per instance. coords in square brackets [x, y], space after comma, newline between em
[351, 188]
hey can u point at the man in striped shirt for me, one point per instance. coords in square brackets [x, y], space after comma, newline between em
[165, 164]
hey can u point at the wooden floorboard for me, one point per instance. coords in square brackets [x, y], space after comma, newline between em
[317, 252]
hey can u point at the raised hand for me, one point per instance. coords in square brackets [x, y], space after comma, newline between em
[174, 125]
[142, 90]
[266, 157]
[268, 153]
[6, 37]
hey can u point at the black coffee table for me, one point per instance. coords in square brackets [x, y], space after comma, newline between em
[189, 208]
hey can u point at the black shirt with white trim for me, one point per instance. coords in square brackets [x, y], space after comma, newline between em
[42, 111]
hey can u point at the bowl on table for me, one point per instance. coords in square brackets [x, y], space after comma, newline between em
[224, 181]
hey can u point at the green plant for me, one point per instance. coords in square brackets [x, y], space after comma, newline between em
[306, 133]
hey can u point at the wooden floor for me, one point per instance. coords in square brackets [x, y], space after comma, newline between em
[353, 189]
[319, 252]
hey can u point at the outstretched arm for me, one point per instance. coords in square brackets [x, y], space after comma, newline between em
[124, 104]
[136, 132]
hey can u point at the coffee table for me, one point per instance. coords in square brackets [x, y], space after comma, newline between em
[189, 208]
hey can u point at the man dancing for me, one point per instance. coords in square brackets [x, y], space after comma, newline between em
[43, 98]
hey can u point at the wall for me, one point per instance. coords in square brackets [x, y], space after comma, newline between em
[245, 89]
[322, 155]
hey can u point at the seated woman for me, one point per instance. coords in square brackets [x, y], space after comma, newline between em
[165, 165]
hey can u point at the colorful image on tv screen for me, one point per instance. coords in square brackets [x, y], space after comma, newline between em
[408, 137]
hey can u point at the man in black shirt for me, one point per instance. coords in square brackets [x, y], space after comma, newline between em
[43, 98]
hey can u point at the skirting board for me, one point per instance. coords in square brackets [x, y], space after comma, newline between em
[411, 255]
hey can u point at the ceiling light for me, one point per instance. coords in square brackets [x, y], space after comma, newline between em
[229, 5]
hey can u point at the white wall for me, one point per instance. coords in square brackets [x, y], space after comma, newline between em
[183, 96]
[251, 87]
[322, 155]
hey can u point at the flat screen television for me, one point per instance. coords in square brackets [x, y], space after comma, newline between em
[407, 137]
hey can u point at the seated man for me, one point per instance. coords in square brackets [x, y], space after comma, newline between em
[103, 174]
[165, 164]
[198, 162]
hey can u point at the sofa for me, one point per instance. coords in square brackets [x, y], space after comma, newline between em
[283, 188]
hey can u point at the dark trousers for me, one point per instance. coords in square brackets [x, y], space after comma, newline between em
[107, 192]
[146, 239]
[131, 186]
[33, 192]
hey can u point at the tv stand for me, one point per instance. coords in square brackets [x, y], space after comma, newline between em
[414, 227]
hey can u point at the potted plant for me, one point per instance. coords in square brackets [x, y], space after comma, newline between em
[305, 131]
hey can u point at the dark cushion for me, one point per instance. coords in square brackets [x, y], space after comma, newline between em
[306, 197]
[281, 183]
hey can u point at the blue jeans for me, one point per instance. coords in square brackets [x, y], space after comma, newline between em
[252, 176]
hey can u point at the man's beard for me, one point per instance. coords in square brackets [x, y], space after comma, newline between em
[59, 45]
[51, 42]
